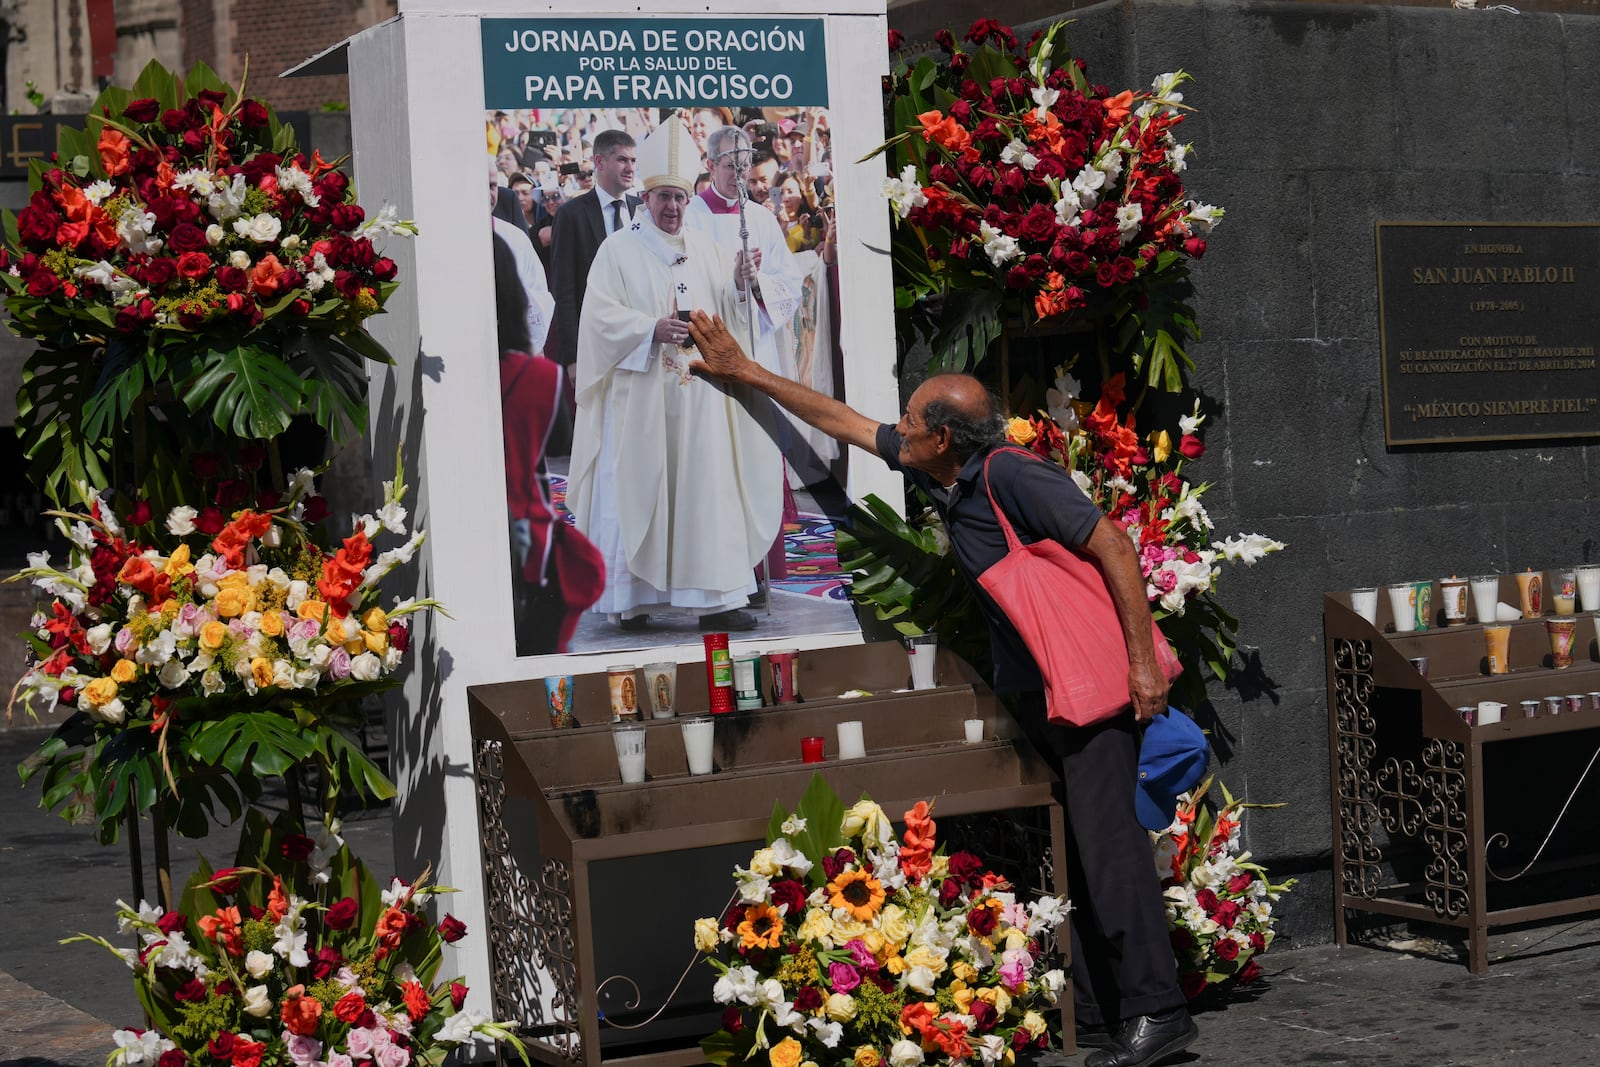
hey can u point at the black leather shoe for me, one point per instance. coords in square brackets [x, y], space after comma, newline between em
[758, 599]
[638, 622]
[1094, 1037]
[1148, 1040]
[732, 620]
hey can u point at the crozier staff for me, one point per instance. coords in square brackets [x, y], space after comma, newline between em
[1125, 984]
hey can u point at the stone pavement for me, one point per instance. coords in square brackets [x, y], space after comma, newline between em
[1404, 1003]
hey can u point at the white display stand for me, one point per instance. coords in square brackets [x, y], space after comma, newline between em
[417, 97]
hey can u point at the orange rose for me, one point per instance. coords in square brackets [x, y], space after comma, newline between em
[300, 1012]
[266, 277]
[114, 147]
[315, 610]
[124, 671]
[393, 925]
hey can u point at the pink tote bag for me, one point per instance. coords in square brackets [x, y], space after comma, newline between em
[1059, 602]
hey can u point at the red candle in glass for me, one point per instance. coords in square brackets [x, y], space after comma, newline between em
[811, 749]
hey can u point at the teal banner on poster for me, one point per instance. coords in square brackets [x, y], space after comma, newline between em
[658, 62]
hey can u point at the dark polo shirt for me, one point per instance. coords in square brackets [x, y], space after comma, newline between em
[1040, 499]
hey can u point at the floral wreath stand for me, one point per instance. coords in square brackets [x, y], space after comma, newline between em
[541, 918]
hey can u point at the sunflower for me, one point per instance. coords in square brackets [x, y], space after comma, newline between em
[762, 927]
[856, 892]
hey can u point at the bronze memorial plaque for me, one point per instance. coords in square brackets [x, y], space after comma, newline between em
[1488, 331]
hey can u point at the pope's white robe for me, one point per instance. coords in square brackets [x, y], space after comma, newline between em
[678, 483]
[781, 278]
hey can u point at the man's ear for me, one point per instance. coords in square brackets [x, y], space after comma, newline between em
[942, 438]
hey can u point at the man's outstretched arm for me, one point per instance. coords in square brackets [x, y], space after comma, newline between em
[722, 359]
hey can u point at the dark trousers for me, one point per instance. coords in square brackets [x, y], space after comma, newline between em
[1122, 962]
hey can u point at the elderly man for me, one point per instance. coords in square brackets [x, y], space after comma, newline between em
[676, 480]
[1124, 977]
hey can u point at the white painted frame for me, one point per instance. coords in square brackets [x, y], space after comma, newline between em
[416, 93]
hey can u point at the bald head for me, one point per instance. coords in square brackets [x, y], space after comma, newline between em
[961, 404]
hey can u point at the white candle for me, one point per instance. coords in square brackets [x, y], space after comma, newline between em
[851, 744]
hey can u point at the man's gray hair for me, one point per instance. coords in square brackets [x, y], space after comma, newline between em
[717, 141]
[970, 434]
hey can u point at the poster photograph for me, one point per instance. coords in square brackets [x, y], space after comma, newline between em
[639, 170]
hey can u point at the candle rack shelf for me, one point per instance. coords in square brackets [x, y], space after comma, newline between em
[1409, 775]
[554, 813]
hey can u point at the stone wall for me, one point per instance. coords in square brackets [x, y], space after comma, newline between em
[1314, 122]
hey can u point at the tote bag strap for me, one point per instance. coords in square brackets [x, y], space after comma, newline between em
[1013, 542]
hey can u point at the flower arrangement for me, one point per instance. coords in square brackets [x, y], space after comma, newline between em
[1219, 904]
[301, 958]
[846, 945]
[1035, 193]
[181, 256]
[206, 648]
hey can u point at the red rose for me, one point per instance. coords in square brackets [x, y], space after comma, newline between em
[1105, 276]
[1048, 167]
[965, 866]
[1011, 182]
[452, 929]
[226, 881]
[221, 1046]
[790, 892]
[348, 1008]
[193, 989]
[1039, 224]
[981, 921]
[175, 119]
[247, 1053]
[210, 522]
[43, 282]
[384, 270]
[253, 115]
[316, 509]
[194, 265]
[1258, 942]
[1251, 972]
[142, 110]
[325, 962]
[1207, 901]
[172, 921]
[1124, 270]
[342, 914]
[399, 637]
[1018, 277]
[1193, 983]
[138, 517]
[732, 1020]
[983, 1015]
[1240, 882]
[949, 892]
[1191, 446]
[1227, 948]
[1195, 246]
[808, 999]
[187, 237]
[896, 39]
[458, 995]
[68, 695]
[301, 306]
[232, 280]
[1227, 914]
[945, 40]
[159, 272]
[173, 1057]
[37, 226]
[1019, 1038]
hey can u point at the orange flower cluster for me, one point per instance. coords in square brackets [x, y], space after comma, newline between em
[300, 1012]
[139, 573]
[1120, 442]
[416, 999]
[944, 131]
[916, 856]
[341, 575]
[223, 928]
[947, 1036]
[237, 535]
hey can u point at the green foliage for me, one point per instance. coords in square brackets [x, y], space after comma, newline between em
[823, 812]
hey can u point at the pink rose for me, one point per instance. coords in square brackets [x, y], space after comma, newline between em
[339, 665]
[392, 1056]
[359, 1043]
[123, 641]
[303, 1050]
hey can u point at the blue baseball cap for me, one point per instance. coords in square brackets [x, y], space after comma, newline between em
[1172, 759]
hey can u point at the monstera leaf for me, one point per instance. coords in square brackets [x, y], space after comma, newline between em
[252, 394]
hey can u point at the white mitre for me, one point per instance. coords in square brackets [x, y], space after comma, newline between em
[669, 157]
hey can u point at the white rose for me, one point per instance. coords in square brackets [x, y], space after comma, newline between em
[365, 667]
[905, 1054]
[263, 229]
[173, 674]
[705, 935]
[306, 679]
[840, 1007]
[256, 1002]
[297, 594]
[259, 964]
[215, 234]
[99, 638]
[180, 521]
[111, 711]
[239, 258]
[211, 683]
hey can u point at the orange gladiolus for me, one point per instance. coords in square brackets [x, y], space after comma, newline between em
[915, 1018]
[266, 277]
[416, 999]
[945, 131]
[1117, 107]
[916, 858]
[393, 925]
[341, 575]
[277, 902]
[951, 1039]
[223, 928]
[300, 1012]
[114, 149]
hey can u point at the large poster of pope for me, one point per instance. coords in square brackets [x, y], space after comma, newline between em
[639, 170]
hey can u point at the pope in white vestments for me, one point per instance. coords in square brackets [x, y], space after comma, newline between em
[675, 479]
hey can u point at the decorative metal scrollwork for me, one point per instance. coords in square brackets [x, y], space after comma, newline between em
[1445, 826]
[1356, 749]
[530, 925]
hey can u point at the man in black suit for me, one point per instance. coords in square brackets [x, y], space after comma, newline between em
[581, 224]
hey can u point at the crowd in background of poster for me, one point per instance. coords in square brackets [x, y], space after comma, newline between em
[559, 94]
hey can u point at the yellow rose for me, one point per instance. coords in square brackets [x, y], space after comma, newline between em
[232, 601]
[962, 996]
[895, 924]
[1020, 430]
[706, 935]
[1016, 938]
[1161, 443]
[923, 956]
[867, 821]
[272, 623]
[786, 1053]
[997, 997]
[124, 671]
[212, 634]
[875, 942]
[895, 965]
[261, 671]
[178, 563]
[376, 620]
[965, 971]
[376, 642]
[845, 929]
[867, 1056]
[817, 926]
[1033, 1022]
[840, 1007]
[234, 580]
[100, 692]
[764, 863]
[315, 610]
